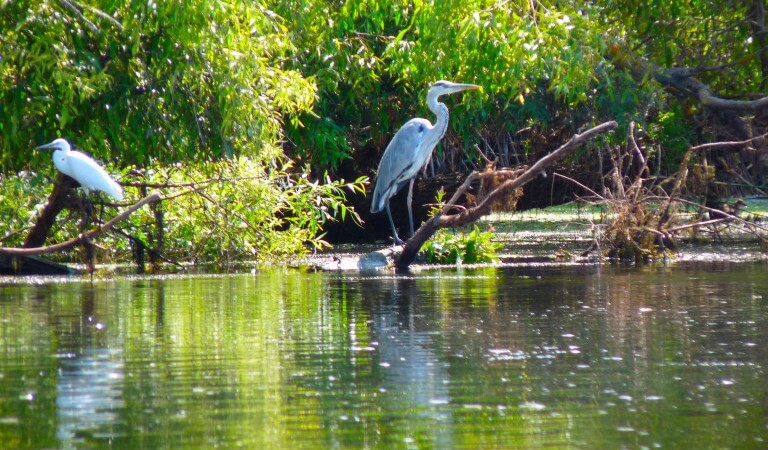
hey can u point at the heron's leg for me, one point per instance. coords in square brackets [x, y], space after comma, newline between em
[410, 202]
[396, 238]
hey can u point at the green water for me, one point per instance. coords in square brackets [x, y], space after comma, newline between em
[560, 357]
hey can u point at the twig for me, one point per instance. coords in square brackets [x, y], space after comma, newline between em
[581, 186]
[729, 217]
[674, 194]
[698, 224]
[234, 213]
[91, 26]
[150, 249]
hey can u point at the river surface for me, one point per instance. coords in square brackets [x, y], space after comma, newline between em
[575, 356]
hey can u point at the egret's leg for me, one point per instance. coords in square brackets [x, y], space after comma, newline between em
[88, 205]
[410, 202]
[101, 206]
[396, 238]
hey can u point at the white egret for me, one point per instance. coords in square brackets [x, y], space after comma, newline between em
[83, 168]
[410, 150]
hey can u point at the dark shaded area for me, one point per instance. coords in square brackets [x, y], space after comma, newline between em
[33, 265]
[538, 193]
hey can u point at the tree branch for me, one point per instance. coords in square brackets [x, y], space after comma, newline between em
[83, 238]
[470, 215]
[712, 145]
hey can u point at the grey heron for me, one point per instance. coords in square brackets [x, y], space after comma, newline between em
[81, 167]
[410, 150]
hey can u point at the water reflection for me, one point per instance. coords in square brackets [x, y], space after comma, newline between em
[451, 358]
[89, 384]
[415, 379]
[89, 396]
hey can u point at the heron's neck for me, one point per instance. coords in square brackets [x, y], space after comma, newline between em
[441, 111]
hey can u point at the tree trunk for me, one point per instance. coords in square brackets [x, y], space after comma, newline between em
[756, 21]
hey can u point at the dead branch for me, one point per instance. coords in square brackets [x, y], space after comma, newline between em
[58, 200]
[725, 217]
[470, 215]
[83, 238]
[682, 81]
[712, 145]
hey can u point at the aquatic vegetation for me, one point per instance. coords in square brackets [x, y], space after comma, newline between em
[451, 247]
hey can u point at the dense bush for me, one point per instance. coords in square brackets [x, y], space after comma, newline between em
[143, 82]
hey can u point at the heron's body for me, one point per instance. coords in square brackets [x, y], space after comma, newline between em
[410, 150]
[81, 167]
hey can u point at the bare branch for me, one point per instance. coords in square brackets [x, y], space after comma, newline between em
[712, 145]
[706, 98]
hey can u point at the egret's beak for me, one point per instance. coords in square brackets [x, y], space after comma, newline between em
[46, 146]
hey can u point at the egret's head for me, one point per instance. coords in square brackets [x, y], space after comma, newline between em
[57, 144]
[443, 87]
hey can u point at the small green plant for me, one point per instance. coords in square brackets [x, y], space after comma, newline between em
[448, 247]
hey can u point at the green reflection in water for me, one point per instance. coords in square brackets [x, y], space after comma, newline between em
[448, 358]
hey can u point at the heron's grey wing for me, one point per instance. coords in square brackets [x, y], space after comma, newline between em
[399, 164]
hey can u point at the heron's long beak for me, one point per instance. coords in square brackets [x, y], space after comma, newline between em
[458, 87]
[46, 146]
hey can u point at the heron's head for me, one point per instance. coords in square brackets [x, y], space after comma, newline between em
[56, 144]
[443, 87]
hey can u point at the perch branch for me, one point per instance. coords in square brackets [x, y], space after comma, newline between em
[83, 238]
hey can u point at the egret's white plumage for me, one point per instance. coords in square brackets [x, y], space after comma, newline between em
[410, 150]
[81, 167]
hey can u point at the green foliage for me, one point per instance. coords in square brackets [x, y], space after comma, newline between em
[374, 61]
[692, 34]
[22, 198]
[238, 86]
[239, 211]
[192, 95]
[542, 66]
[448, 247]
[165, 81]
[674, 133]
